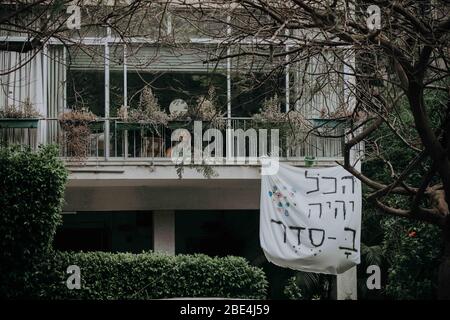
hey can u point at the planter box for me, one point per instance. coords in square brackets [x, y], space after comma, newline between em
[98, 125]
[93, 125]
[130, 126]
[137, 126]
[19, 123]
[328, 123]
[180, 124]
[133, 126]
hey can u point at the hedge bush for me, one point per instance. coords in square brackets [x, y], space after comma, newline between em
[31, 188]
[147, 276]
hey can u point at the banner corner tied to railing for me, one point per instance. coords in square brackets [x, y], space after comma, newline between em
[310, 219]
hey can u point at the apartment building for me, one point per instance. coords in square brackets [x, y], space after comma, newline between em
[125, 193]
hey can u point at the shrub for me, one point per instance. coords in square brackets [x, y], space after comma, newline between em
[147, 276]
[31, 187]
[413, 252]
[308, 286]
[292, 291]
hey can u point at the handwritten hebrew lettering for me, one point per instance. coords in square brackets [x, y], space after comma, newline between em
[343, 209]
[352, 237]
[317, 183]
[313, 232]
[334, 182]
[311, 219]
[352, 178]
[284, 228]
[299, 230]
[319, 206]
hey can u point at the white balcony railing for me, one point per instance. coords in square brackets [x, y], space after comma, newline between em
[132, 141]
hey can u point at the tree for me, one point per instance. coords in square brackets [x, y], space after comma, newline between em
[405, 60]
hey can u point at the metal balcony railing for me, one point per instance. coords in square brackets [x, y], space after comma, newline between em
[137, 141]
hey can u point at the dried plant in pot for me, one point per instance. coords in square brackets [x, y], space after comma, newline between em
[18, 125]
[205, 110]
[292, 124]
[148, 112]
[149, 119]
[19, 116]
[77, 132]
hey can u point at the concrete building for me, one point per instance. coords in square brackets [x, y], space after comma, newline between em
[126, 194]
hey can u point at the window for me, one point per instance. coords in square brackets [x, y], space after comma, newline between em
[318, 84]
[255, 77]
[177, 73]
[86, 78]
[187, 72]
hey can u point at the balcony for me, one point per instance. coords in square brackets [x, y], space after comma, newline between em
[131, 142]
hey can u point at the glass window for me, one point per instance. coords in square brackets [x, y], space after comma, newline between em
[86, 78]
[255, 77]
[177, 73]
[250, 90]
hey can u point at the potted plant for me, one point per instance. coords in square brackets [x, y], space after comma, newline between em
[22, 116]
[147, 114]
[76, 125]
[292, 124]
[309, 161]
[205, 110]
[149, 120]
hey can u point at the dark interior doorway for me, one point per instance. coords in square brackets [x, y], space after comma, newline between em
[120, 231]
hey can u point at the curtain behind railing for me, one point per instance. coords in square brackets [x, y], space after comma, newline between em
[319, 85]
[21, 80]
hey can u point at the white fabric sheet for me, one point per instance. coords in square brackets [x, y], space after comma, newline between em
[311, 219]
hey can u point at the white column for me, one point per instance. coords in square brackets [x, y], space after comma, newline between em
[229, 142]
[346, 285]
[43, 124]
[106, 53]
[287, 70]
[125, 99]
[164, 231]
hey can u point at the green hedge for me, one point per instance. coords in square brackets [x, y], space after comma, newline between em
[32, 189]
[31, 193]
[147, 276]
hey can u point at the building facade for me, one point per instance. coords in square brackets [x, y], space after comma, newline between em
[125, 193]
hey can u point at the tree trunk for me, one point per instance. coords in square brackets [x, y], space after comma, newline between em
[444, 267]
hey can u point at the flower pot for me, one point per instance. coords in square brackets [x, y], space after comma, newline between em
[139, 126]
[309, 161]
[30, 123]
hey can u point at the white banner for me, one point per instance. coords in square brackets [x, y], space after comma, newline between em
[310, 219]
